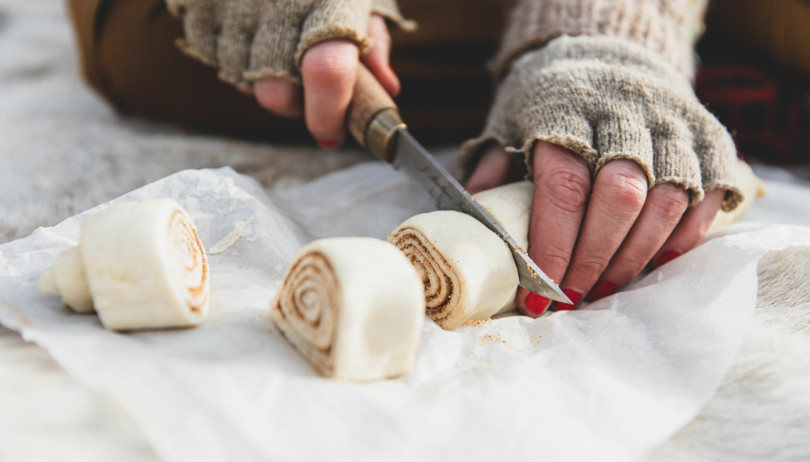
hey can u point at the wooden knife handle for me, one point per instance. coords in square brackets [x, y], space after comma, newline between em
[373, 118]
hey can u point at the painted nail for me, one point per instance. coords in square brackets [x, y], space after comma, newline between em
[575, 297]
[667, 257]
[536, 304]
[328, 144]
[602, 290]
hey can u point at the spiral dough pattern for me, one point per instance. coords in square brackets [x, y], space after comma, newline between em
[467, 271]
[353, 307]
[439, 280]
[189, 260]
[145, 266]
[307, 306]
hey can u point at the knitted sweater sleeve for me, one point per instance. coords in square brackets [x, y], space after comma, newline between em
[668, 28]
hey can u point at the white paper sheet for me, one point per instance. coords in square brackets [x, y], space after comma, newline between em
[609, 382]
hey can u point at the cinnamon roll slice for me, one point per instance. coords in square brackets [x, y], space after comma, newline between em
[467, 271]
[353, 307]
[140, 265]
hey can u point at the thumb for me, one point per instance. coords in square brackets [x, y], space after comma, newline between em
[377, 57]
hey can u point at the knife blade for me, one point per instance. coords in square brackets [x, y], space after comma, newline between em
[375, 123]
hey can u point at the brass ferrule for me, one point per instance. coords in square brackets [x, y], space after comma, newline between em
[382, 132]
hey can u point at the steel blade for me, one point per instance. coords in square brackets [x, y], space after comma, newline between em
[415, 161]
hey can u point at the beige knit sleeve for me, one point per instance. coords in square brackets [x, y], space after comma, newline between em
[253, 39]
[668, 28]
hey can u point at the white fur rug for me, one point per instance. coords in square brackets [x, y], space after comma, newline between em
[62, 150]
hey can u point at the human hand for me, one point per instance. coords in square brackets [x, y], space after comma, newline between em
[296, 57]
[617, 154]
[328, 73]
[595, 236]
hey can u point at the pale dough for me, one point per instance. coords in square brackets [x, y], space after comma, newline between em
[66, 278]
[353, 307]
[140, 265]
[467, 271]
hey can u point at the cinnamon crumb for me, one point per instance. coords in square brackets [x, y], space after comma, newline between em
[477, 323]
[489, 338]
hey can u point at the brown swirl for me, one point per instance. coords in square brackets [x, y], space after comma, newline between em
[307, 306]
[190, 265]
[440, 281]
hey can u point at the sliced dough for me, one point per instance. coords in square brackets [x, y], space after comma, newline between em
[511, 205]
[467, 271]
[353, 307]
[141, 263]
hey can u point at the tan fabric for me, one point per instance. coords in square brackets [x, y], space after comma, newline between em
[128, 56]
[666, 27]
[607, 98]
[252, 39]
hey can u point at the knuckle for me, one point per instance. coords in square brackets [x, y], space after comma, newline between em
[623, 190]
[669, 202]
[328, 67]
[592, 265]
[278, 96]
[282, 101]
[567, 189]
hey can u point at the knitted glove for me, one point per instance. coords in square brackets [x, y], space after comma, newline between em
[253, 39]
[609, 97]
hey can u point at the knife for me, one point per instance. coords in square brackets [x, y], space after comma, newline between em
[375, 123]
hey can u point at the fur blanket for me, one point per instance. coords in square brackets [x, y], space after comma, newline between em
[62, 150]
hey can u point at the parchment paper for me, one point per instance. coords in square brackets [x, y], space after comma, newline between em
[608, 382]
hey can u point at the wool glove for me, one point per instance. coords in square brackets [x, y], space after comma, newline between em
[253, 39]
[609, 95]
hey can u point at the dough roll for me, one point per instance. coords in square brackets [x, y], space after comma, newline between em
[353, 307]
[467, 271]
[140, 265]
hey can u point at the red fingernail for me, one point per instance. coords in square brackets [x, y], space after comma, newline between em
[328, 144]
[575, 297]
[536, 304]
[602, 290]
[667, 257]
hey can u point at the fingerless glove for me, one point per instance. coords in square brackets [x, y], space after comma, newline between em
[619, 89]
[253, 39]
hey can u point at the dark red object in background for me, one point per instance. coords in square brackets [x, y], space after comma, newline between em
[765, 106]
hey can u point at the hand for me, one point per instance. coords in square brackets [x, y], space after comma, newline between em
[328, 72]
[271, 49]
[594, 237]
[618, 147]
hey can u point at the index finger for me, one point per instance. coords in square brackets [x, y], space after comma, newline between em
[562, 185]
[328, 72]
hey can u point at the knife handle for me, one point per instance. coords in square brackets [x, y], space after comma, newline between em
[373, 118]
